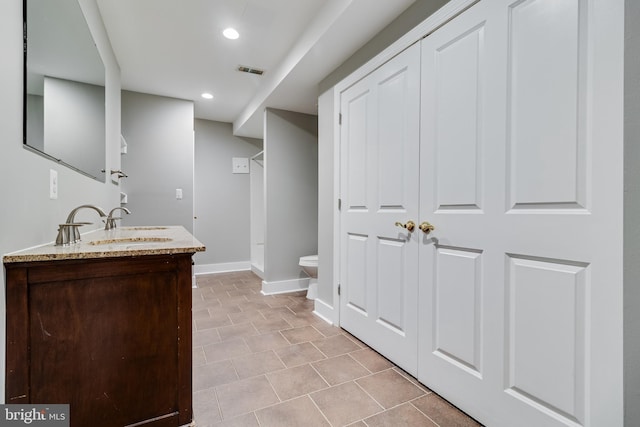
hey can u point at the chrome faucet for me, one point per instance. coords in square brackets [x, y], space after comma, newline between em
[68, 232]
[111, 220]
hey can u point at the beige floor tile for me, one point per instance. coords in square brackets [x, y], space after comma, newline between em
[207, 281]
[212, 322]
[298, 320]
[232, 301]
[237, 331]
[389, 388]
[226, 350]
[305, 306]
[442, 412]
[276, 312]
[336, 345]
[302, 334]
[275, 301]
[267, 341]
[205, 407]
[198, 357]
[257, 364]
[245, 317]
[271, 324]
[245, 396]
[327, 330]
[339, 369]
[223, 309]
[197, 292]
[252, 306]
[213, 375]
[213, 298]
[240, 291]
[308, 318]
[299, 354]
[206, 337]
[294, 382]
[300, 412]
[371, 360]
[280, 332]
[345, 403]
[200, 313]
[246, 420]
[405, 415]
[199, 302]
[413, 380]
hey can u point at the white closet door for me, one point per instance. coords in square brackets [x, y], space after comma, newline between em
[521, 159]
[379, 187]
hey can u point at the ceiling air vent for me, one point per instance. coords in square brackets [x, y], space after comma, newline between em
[250, 70]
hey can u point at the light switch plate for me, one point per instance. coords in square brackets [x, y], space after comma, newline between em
[240, 164]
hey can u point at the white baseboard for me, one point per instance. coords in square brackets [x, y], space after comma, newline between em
[324, 311]
[285, 286]
[258, 271]
[223, 267]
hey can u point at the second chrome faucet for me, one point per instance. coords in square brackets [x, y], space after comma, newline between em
[111, 220]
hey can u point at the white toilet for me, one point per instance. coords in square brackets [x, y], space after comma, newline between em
[310, 266]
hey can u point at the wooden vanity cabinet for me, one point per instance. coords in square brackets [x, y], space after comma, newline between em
[109, 336]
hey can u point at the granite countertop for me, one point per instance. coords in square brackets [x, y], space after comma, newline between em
[119, 242]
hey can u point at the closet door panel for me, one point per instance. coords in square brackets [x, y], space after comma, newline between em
[531, 189]
[547, 81]
[379, 188]
[457, 128]
[457, 189]
[554, 378]
[457, 314]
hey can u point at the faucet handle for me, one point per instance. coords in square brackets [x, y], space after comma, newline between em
[68, 233]
[110, 223]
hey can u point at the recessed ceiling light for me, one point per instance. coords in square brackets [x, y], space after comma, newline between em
[231, 33]
[207, 95]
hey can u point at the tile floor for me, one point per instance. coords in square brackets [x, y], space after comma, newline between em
[269, 361]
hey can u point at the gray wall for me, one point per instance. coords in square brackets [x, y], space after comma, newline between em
[410, 18]
[28, 216]
[221, 197]
[256, 187]
[327, 197]
[632, 213]
[159, 159]
[291, 192]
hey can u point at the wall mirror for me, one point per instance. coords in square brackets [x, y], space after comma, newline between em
[64, 97]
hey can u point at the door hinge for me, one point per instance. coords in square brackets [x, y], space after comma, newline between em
[339, 204]
[339, 118]
[338, 288]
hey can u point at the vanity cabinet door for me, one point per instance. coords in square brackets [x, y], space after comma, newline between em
[110, 340]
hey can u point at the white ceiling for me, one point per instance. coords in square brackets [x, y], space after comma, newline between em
[175, 48]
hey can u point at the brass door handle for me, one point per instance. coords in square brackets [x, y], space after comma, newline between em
[426, 227]
[410, 225]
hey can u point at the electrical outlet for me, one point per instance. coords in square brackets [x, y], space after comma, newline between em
[240, 165]
[53, 184]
